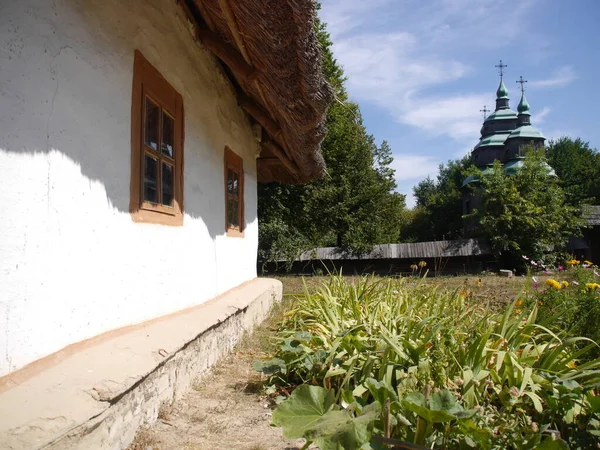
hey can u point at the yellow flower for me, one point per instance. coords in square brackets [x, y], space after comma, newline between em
[592, 286]
[573, 262]
[553, 283]
[519, 302]
[422, 264]
[589, 263]
[565, 284]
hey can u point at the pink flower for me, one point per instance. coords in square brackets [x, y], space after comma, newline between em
[561, 268]
[536, 285]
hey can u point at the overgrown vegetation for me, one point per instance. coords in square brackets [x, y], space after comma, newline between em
[408, 361]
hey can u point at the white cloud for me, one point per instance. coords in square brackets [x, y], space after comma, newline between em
[403, 71]
[561, 77]
[414, 167]
[457, 117]
[541, 116]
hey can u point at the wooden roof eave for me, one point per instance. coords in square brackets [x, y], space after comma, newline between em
[242, 69]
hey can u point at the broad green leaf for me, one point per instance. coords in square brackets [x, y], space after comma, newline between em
[303, 336]
[552, 444]
[381, 391]
[414, 402]
[338, 429]
[482, 437]
[302, 410]
[270, 367]
[444, 401]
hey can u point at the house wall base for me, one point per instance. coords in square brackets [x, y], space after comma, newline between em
[99, 397]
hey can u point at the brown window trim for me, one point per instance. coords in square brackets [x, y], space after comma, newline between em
[235, 163]
[148, 82]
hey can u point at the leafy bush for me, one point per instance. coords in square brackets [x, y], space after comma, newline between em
[572, 302]
[403, 360]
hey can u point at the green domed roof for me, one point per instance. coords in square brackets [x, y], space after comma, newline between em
[526, 131]
[510, 168]
[523, 107]
[492, 139]
[513, 166]
[502, 114]
[502, 92]
[475, 178]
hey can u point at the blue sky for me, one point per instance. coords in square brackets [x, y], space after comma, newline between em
[422, 69]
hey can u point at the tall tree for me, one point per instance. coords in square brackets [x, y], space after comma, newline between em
[354, 206]
[578, 167]
[438, 214]
[524, 213]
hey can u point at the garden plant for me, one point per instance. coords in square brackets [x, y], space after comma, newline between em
[367, 363]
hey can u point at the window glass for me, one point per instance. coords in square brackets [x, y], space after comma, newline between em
[151, 124]
[150, 172]
[167, 135]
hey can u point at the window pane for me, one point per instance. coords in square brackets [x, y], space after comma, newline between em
[168, 135]
[232, 183]
[229, 181]
[232, 213]
[235, 183]
[151, 124]
[150, 170]
[167, 184]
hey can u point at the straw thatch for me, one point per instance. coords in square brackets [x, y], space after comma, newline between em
[272, 56]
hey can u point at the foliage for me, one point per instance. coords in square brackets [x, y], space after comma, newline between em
[439, 371]
[438, 214]
[524, 213]
[578, 167]
[572, 301]
[354, 206]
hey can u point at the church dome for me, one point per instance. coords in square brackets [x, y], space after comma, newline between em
[502, 92]
[515, 164]
[527, 132]
[523, 107]
[502, 114]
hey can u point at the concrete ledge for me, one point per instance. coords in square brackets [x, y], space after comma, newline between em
[97, 398]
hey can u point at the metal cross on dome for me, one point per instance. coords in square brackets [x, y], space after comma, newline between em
[501, 69]
[522, 81]
[484, 111]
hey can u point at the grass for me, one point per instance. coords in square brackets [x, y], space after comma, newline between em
[489, 289]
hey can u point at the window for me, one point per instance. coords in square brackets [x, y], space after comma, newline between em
[234, 194]
[156, 147]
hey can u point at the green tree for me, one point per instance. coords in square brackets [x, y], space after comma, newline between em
[578, 167]
[438, 214]
[525, 213]
[354, 206]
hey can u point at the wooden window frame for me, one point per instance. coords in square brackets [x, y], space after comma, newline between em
[235, 163]
[148, 82]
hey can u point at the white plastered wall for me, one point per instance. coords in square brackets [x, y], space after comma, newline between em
[72, 262]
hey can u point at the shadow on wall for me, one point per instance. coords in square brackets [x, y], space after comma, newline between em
[65, 86]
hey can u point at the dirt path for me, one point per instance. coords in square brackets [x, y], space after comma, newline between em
[224, 410]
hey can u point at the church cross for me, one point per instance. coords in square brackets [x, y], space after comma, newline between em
[501, 69]
[484, 111]
[522, 81]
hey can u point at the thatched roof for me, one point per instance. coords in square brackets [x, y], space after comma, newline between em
[271, 54]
